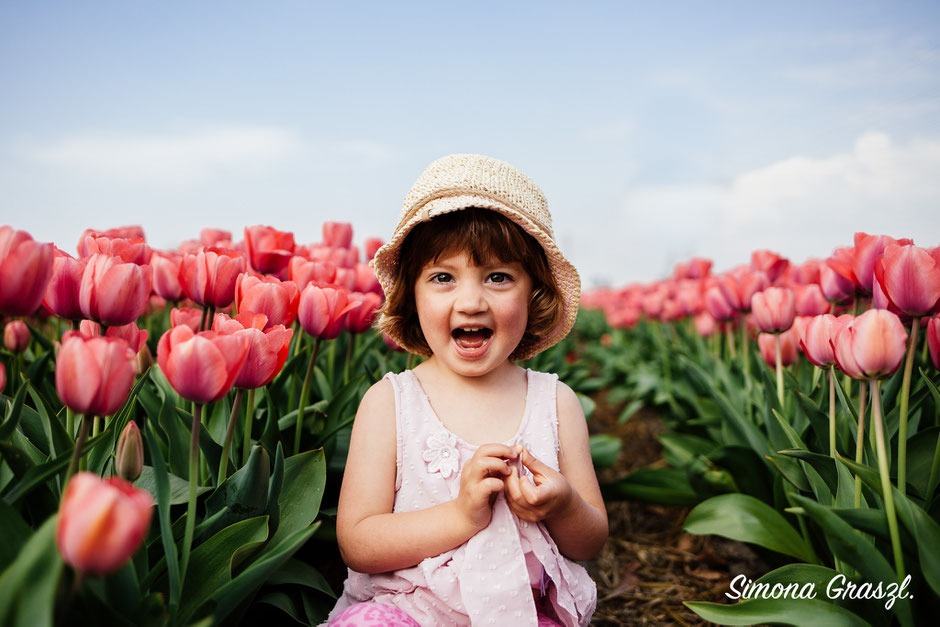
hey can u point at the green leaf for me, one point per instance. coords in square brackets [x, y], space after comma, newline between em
[15, 534]
[824, 465]
[632, 407]
[663, 486]
[302, 490]
[587, 405]
[746, 519]
[791, 470]
[920, 451]
[605, 449]
[56, 437]
[177, 434]
[853, 548]
[302, 574]
[178, 487]
[751, 473]
[797, 612]
[28, 586]
[13, 414]
[681, 448]
[242, 495]
[210, 566]
[162, 485]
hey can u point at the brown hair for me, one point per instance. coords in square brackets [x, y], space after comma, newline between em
[487, 237]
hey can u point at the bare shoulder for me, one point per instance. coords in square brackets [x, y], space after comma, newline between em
[569, 406]
[380, 398]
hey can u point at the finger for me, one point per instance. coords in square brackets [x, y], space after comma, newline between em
[492, 485]
[493, 466]
[496, 450]
[532, 463]
[530, 492]
[513, 492]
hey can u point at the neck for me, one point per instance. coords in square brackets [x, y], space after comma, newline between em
[501, 374]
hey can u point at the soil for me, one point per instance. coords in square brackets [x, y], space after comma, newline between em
[649, 566]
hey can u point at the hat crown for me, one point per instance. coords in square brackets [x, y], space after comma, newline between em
[462, 174]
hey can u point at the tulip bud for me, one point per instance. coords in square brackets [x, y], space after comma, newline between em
[16, 336]
[3, 376]
[102, 523]
[129, 456]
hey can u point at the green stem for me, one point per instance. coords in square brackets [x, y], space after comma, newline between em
[729, 334]
[779, 353]
[747, 367]
[303, 396]
[860, 442]
[249, 418]
[229, 435]
[350, 348]
[934, 471]
[902, 417]
[409, 363]
[193, 480]
[77, 451]
[886, 486]
[832, 414]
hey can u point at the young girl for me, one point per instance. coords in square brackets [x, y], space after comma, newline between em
[469, 486]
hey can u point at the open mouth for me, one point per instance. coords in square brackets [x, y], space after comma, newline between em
[471, 337]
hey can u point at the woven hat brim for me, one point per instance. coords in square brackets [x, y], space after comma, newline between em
[567, 281]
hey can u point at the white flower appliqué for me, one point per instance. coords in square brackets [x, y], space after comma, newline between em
[440, 453]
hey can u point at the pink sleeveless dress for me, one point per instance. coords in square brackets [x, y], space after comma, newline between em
[495, 577]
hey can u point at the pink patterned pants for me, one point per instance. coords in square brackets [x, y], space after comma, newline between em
[381, 615]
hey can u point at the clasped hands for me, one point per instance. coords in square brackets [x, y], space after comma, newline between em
[496, 468]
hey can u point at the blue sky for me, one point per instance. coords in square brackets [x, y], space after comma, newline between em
[657, 130]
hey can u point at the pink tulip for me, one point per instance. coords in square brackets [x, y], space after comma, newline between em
[201, 367]
[695, 268]
[768, 350]
[215, 237]
[94, 375]
[806, 273]
[267, 350]
[25, 269]
[770, 263]
[129, 454]
[102, 523]
[810, 300]
[278, 300]
[933, 341]
[816, 340]
[337, 234]
[114, 292]
[62, 293]
[339, 257]
[910, 279]
[322, 312]
[16, 336]
[3, 376]
[392, 344]
[871, 346]
[208, 277]
[360, 317]
[774, 309]
[705, 324]
[835, 287]
[188, 316]
[365, 279]
[166, 275]
[717, 305]
[868, 248]
[346, 278]
[371, 245]
[739, 286]
[302, 272]
[842, 262]
[129, 250]
[269, 250]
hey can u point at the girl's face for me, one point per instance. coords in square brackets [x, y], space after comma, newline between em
[472, 317]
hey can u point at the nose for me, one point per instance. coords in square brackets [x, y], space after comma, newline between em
[470, 298]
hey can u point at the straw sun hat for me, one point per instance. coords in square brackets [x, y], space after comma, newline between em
[462, 181]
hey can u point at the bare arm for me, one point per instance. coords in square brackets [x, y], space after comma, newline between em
[371, 537]
[569, 501]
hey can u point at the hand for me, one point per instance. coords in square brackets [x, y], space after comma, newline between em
[481, 479]
[537, 501]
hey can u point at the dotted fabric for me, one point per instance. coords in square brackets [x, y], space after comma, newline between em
[490, 579]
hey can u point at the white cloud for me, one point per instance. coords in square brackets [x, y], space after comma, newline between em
[180, 158]
[801, 207]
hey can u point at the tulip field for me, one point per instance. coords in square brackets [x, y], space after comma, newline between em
[175, 422]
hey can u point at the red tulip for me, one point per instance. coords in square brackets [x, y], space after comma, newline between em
[188, 316]
[816, 340]
[93, 375]
[841, 262]
[770, 263]
[739, 286]
[129, 454]
[133, 232]
[774, 309]
[339, 257]
[215, 237]
[3, 376]
[768, 350]
[365, 279]
[208, 277]
[868, 248]
[933, 341]
[16, 336]
[25, 269]
[129, 250]
[114, 292]
[337, 234]
[360, 317]
[269, 250]
[62, 293]
[346, 278]
[810, 300]
[102, 523]
[278, 300]
[371, 245]
[201, 367]
[135, 337]
[910, 279]
[871, 346]
[323, 310]
[302, 271]
[166, 275]
[267, 350]
[806, 273]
